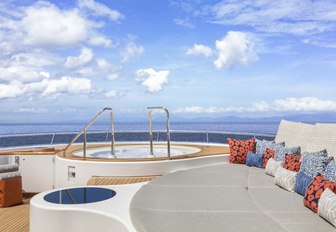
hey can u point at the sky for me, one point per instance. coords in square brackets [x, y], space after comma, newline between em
[67, 60]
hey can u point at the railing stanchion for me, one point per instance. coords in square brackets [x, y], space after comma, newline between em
[151, 129]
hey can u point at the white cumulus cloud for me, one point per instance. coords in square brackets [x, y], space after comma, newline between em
[199, 50]
[8, 91]
[67, 85]
[45, 24]
[131, 50]
[84, 57]
[151, 79]
[236, 48]
[304, 104]
[100, 41]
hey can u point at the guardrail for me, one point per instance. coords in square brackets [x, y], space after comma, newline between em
[61, 138]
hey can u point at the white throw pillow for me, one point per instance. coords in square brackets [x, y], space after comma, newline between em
[285, 178]
[327, 206]
[272, 166]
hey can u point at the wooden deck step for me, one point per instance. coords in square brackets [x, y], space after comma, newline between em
[118, 180]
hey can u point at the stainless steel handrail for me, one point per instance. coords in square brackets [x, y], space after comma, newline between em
[84, 133]
[150, 109]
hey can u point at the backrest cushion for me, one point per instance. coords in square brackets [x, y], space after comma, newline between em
[294, 133]
[315, 190]
[281, 151]
[302, 183]
[267, 155]
[327, 206]
[254, 160]
[239, 150]
[292, 163]
[323, 137]
[285, 179]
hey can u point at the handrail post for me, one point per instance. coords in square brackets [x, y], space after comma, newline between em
[151, 129]
[84, 144]
[151, 153]
[112, 134]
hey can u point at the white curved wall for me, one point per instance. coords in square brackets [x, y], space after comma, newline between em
[84, 170]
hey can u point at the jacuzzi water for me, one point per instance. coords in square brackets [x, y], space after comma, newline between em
[137, 151]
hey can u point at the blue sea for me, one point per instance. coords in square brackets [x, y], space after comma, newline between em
[252, 127]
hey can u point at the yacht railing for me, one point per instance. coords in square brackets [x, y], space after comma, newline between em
[105, 136]
[150, 110]
[83, 132]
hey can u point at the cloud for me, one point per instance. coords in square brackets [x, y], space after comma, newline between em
[304, 104]
[131, 50]
[84, 57]
[67, 85]
[100, 41]
[199, 50]
[184, 23]
[46, 25]
[46, 87]
[103, 64]
[112, 77]
[236, 48]
[20, 73]
[100, 9]
[33, 110]
[291, 16]
[10, 91]
[151, 79]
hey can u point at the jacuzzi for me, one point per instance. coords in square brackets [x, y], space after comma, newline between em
[137, 151]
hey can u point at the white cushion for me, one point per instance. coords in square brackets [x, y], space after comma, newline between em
[272, 166]
[285, 178]
[327, 206]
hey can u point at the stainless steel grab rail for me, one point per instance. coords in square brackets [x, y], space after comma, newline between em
[150, 109]
[84, 133]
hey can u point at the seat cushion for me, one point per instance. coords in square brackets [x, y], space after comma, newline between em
[10, 192]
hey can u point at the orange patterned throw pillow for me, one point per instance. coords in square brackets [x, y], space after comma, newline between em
[315, 190]
[267, 155]
[239, 150]
[292, 163]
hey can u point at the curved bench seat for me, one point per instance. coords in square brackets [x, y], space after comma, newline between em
[221, 198]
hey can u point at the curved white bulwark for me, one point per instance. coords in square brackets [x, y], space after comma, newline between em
[78, 172]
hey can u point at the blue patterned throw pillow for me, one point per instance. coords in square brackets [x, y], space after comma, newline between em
[302, 183]
[313, 163]
[262, 145]
[254, 160]
[281, 151]
[330, 171]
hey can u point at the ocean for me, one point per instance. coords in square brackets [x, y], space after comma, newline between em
[250, 127]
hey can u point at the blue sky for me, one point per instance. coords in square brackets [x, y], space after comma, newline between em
[66, 60]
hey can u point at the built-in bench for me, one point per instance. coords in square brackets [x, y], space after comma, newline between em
[232, 197]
